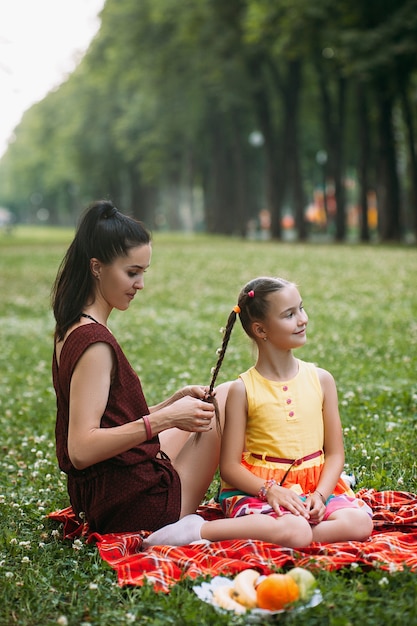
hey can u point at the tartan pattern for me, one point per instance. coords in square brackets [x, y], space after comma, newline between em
[392, 546]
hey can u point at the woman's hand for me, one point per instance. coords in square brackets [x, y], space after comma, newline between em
[287, 498]
[195, 391]
[191, 412]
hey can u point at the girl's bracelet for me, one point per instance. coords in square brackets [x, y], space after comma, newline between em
[263, 491]
[323, 499]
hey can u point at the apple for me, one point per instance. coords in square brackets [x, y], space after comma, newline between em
[305, 581]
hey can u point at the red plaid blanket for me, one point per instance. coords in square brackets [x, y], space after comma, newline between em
[392, 546]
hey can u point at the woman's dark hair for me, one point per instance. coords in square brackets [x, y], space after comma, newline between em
[103, 233]
[252, 305]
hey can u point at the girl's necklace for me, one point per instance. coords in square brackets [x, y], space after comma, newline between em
[89, 317]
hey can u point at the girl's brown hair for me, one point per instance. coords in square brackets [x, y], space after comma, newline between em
[252, 305]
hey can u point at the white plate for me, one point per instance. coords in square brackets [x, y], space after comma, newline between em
[205, 593]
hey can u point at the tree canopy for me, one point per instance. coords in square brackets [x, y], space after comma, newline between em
[232, 117]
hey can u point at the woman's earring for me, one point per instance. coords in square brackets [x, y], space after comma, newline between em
[265, 338]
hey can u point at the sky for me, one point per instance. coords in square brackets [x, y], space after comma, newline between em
[41, 43]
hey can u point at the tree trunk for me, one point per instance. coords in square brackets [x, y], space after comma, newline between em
[364, 158]
[241, 192]
[333, 130]
[274, 181]
[218, 204]
[143, 199]
[338, 151]
[388, 192]
[291, 157]
[408, 118]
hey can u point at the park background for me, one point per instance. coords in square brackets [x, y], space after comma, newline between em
[285, 119]
[178, 112]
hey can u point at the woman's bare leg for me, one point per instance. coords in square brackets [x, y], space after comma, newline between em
[173, 440]
[198, 460]
[195, 459]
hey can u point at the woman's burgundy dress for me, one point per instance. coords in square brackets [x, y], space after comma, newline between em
[136, 490]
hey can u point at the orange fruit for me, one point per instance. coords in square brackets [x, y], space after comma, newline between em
[276, 591]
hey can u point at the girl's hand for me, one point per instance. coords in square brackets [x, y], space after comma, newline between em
[281, 496]
[315, 507]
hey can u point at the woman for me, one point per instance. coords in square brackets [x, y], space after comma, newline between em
[129, 467]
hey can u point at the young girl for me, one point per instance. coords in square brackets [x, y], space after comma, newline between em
[282, 449]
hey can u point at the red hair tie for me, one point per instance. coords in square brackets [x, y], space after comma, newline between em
[251, 293]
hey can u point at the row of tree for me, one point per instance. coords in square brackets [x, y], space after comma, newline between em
[204, 113]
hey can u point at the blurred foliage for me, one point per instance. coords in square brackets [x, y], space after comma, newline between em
[197, 114]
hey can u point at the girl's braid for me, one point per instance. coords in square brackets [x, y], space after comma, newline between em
[210, 397]
[228, 330]
[252, 305]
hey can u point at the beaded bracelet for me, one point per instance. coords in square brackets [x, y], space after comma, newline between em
[147, 427]
[262, 493]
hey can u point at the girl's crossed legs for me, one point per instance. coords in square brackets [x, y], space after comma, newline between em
[346, 524]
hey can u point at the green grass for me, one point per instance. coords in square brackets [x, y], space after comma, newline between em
[362, 303]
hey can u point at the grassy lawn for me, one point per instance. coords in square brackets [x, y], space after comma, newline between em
[362, 303]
